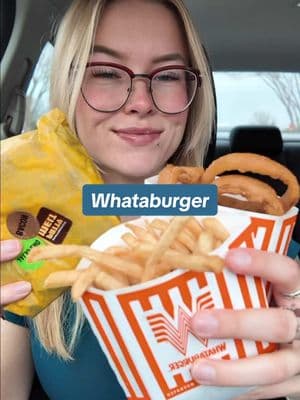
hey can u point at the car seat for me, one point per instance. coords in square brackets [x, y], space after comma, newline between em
[267, 141]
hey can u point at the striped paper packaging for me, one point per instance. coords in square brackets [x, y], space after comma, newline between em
[144, 330]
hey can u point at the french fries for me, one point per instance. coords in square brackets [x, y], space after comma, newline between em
[163, 244]
[111, 261]
[155, 249]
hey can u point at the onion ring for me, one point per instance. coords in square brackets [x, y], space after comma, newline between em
[180, 174]
[260, 196]
[232, 202]
[250, 162]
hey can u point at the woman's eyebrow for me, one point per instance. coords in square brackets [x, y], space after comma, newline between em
[169, 57]
[98, 48]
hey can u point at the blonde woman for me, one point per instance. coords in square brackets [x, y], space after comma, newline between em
[131, 130]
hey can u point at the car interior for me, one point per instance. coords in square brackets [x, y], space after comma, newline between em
[243, 39]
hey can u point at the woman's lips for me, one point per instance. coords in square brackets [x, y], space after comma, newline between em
[138, 136]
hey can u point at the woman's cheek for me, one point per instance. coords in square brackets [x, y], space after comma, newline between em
[176, 129]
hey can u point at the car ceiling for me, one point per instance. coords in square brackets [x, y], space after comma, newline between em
[246, 34]
[250, 34]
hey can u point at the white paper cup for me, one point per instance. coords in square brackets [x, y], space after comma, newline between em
[144, 330]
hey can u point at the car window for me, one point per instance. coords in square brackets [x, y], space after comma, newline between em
[37, 95]
[258, 98]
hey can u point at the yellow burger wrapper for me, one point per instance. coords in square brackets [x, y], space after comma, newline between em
[43, 172]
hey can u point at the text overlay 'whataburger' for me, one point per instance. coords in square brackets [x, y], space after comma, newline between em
[156, 199]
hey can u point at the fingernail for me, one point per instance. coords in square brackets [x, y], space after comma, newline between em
[238, 258]
[22, 287]
[205, 325]
[203, 373]
[10, 247]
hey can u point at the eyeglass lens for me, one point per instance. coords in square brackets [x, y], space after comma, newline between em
[107, 88]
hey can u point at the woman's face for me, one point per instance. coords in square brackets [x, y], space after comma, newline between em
[136, 141]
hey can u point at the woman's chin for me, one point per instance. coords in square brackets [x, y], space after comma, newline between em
[128, 174]
[143, 167]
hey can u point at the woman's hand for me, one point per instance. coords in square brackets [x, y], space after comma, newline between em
[274, 374]
[14, 291]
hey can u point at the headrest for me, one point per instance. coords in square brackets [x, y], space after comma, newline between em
[265, 140]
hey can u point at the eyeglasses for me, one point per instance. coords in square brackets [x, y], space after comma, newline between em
[106, 87]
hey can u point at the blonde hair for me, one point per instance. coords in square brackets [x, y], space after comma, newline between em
[74, 42]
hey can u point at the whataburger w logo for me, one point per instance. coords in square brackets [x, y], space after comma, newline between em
[176, 331]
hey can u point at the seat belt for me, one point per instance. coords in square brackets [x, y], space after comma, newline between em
[14, 116]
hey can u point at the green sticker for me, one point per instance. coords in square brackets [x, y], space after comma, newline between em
[27, 246]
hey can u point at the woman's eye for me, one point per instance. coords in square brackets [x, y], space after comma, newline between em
[167, 77]
[105, 74]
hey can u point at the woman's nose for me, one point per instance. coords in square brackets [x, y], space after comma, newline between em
[140, 99]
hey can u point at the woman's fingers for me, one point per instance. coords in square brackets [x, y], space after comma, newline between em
[271, 325]
[259, 370]
[281, 271]
[9, 249]
[14, 292]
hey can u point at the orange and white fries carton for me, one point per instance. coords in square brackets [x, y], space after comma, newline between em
[144, 329]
